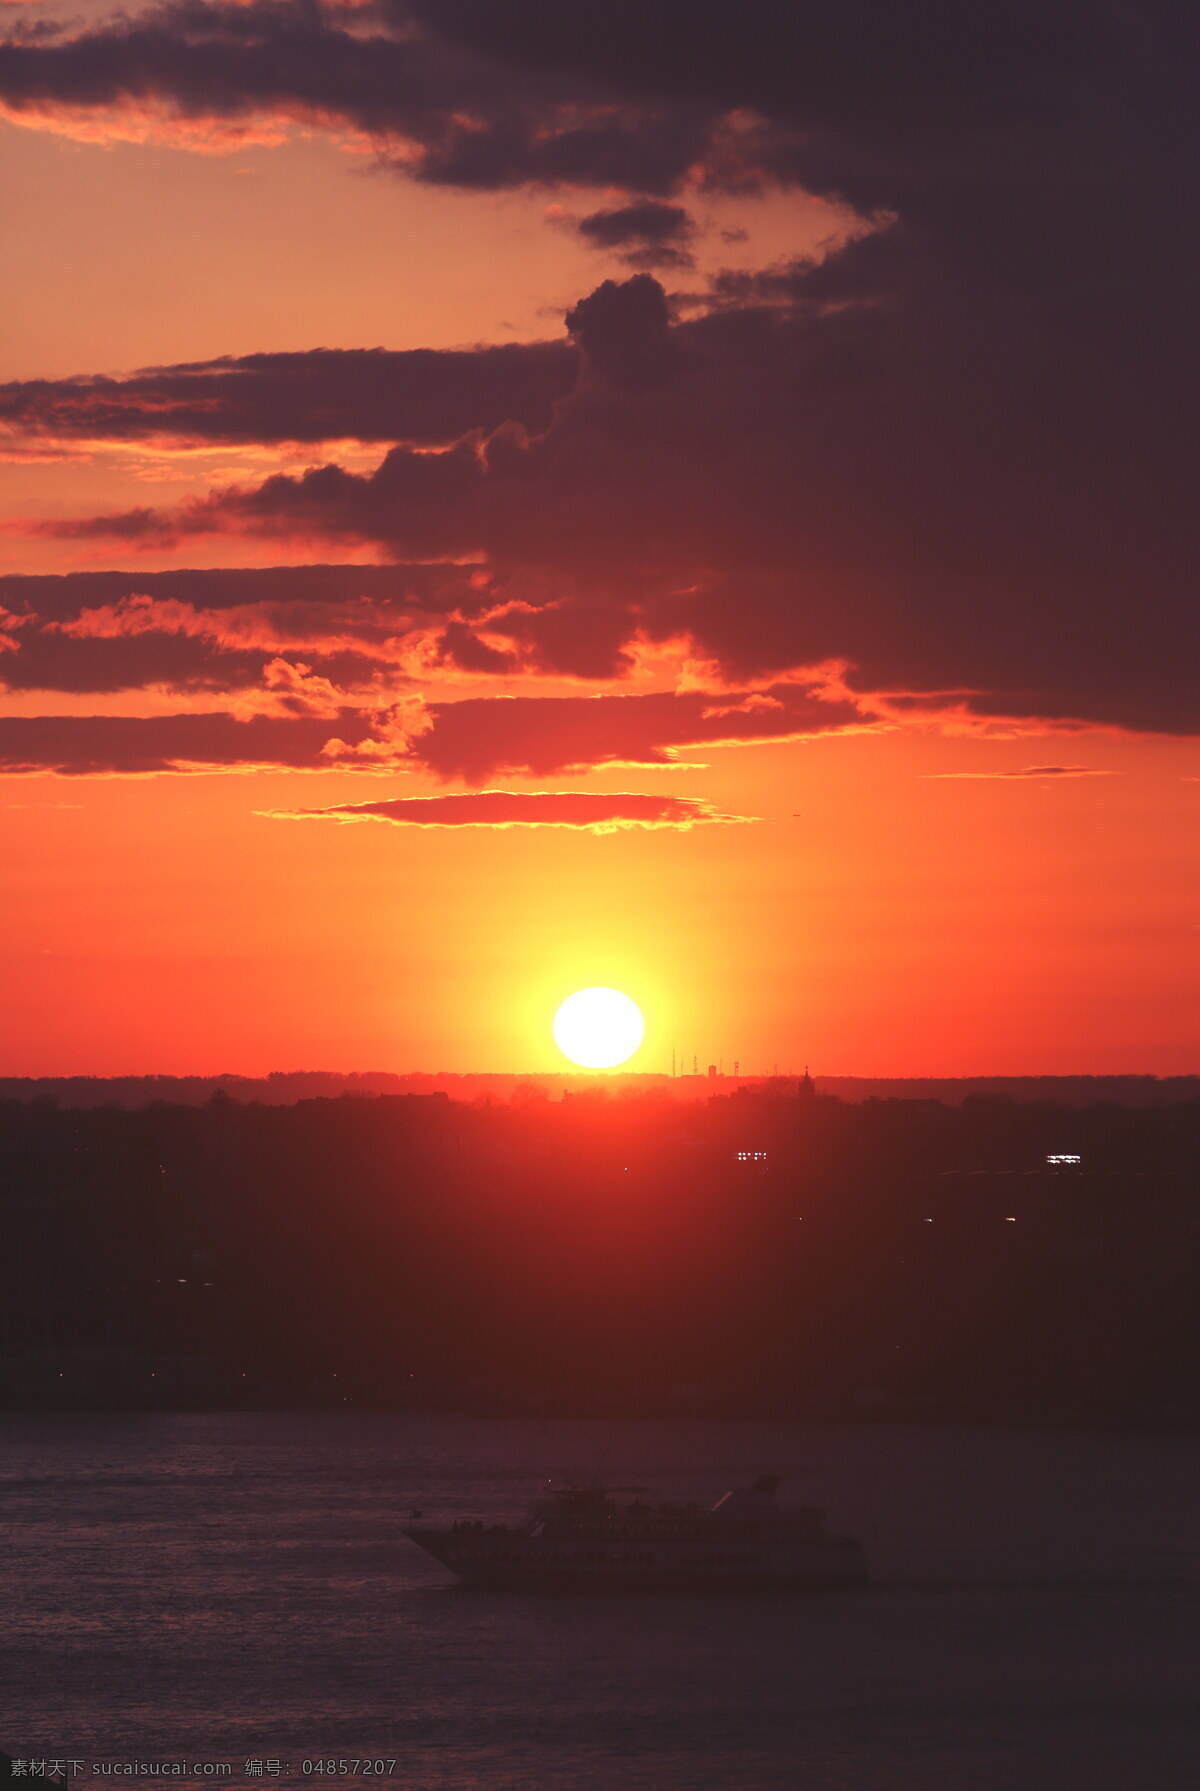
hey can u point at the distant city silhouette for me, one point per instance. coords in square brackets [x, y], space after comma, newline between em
[766, 1250]
[284, 1087]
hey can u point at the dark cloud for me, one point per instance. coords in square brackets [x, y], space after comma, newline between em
[880, 103]
[957, 455]
[866, 270]
[461, 646]
[624, 331]
[142, 524]
[976, 501]
[398, 589]
[919, 68]
[475, 738]
[422, 396]
[438, 112]
[646, 221]
[583, 640]
[933, 103]
[524, 808]
[649, 233]
[48, 660]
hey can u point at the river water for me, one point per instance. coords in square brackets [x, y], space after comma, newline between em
[228, 1589]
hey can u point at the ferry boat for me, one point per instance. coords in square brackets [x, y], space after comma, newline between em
[583, 1539]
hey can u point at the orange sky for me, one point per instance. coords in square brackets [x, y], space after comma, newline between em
[899, 925]
[894, 896]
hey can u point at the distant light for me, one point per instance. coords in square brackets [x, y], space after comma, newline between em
[752, 1156]
[1010, 1220]
[1064, 1156]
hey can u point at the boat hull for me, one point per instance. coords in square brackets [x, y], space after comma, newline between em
[516, 1563]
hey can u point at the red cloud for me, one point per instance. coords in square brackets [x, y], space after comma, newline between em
[218, 630]
[82, 745]
[524, 808]
[469, 740]
[475, 738]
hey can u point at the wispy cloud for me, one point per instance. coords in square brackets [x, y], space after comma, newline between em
[1026, 771]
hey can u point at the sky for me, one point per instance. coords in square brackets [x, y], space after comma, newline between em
[503, 500]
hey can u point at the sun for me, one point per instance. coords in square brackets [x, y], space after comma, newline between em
[598, 1028]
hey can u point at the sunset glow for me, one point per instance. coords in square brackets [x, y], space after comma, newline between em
[600, 910]
[652, 521]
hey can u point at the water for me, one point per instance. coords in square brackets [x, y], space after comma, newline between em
[232, 1587]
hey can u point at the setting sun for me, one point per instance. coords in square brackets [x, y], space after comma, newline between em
[598, 1028]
